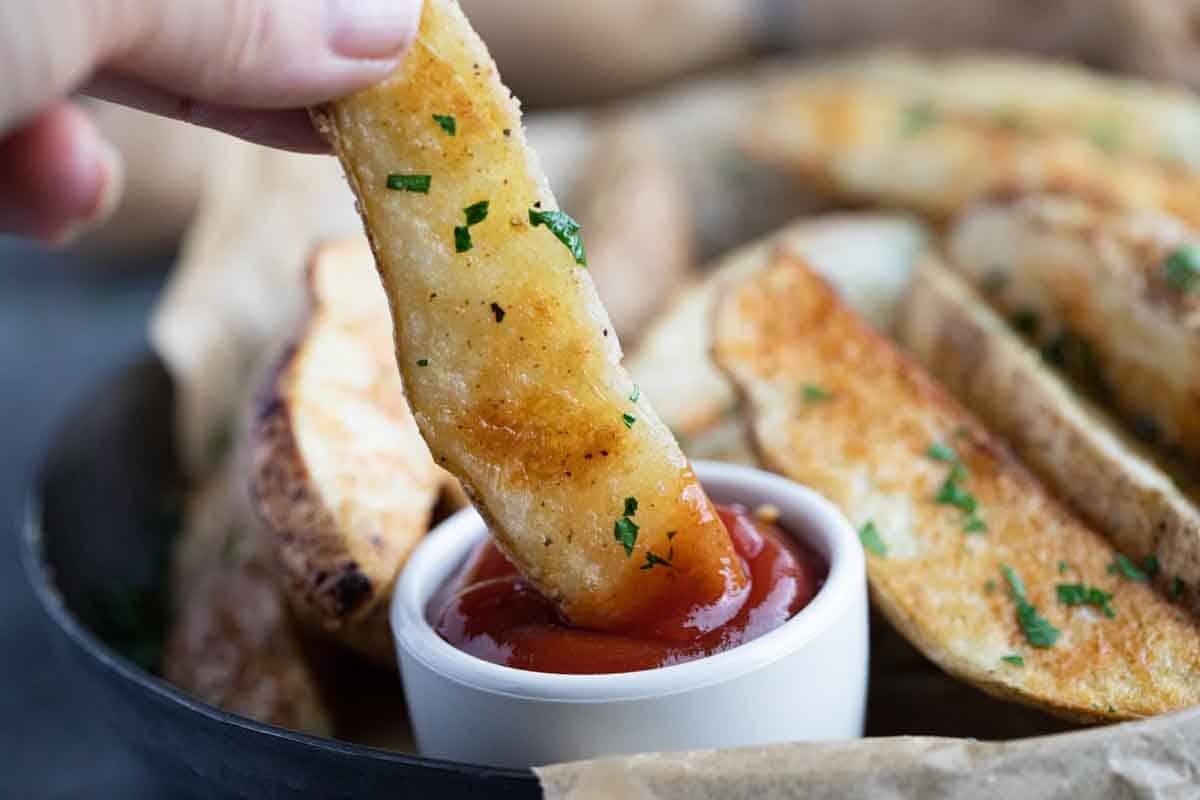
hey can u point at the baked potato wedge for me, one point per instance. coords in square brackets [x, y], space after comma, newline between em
[1113, 297]
[965, 547]
[339, 475]
[509, 361]
[940, 135]
[869, 259]
[1111, 481]
[232, 641]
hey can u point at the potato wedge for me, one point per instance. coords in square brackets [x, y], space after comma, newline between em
[1111, 481]
[938, 136]
[868, 257]
[1097, 285]
[340, 477]
[232, 641]
[884, 442]
[508, 358]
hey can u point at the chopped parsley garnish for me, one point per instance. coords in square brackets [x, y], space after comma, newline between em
[869, 536]
[476, 213]
[1013, 659]
[975, 524]
[631, 506]
[448, 123]
[940, 452]
[422, 362]
[565, 229]
[625, 531]
[816, 394]
[953, 494]
[409, 183]
[1151, 566]
[990, 586]
[628, 419]
[1176, 589]
[1063, 567]
[917, 117]
[653, 560]
[462, 239]
[1183, 268]
[635, 394]
[1037, 629]
[1130, 570]
[1077, 594]
[498, 312]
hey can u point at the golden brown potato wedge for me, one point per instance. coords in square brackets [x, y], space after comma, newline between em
[944, 509]
[340, 477]
[232, 641]
[1097, 289]
[868, 257]
[1112, 482]
[940, 135]
[508, 358]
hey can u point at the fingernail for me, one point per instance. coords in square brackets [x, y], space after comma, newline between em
[110, 182]
[371, 28]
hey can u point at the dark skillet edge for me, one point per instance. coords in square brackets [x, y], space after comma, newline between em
[99, 656]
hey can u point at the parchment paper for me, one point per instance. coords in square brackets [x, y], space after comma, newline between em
[1152, 759]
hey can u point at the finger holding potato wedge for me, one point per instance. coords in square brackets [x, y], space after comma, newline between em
[509, 361]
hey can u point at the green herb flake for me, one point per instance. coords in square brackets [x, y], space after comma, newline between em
[625, 531]
[1151, 566]
[422, 362]
[565, 229]
[653, 560]
[628, 419]
[477, 212]
[940, 452]
[1063, 567]
[635, 394]
[1176, 589]
[869, 536]
[1077, 594]
[1183, 268]
[816, 394]
[917, 117]
[952, 494]
[448, 123]
[1013, 659]
[409, 183]
[462, 239]
[631, 506]
[975, 524]
[1130, 570]
[1037, 629]
[990, 586]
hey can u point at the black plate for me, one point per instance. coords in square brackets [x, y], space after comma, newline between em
[98, 529]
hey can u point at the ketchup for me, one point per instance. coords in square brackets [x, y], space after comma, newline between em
[493, 613]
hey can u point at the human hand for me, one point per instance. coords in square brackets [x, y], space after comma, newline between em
[247, 67]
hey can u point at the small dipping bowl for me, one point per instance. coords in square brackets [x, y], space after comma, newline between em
[803, 681]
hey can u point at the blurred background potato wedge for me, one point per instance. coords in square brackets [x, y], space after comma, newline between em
[341, 478]
[838, 407]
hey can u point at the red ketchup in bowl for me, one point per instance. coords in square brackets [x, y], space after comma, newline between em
[493, 613]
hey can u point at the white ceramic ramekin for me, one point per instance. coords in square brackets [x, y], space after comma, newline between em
[806, 680]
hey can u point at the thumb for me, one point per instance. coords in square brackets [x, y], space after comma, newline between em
[248, 53]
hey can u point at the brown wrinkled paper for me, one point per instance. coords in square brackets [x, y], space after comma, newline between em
[1150, 759]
